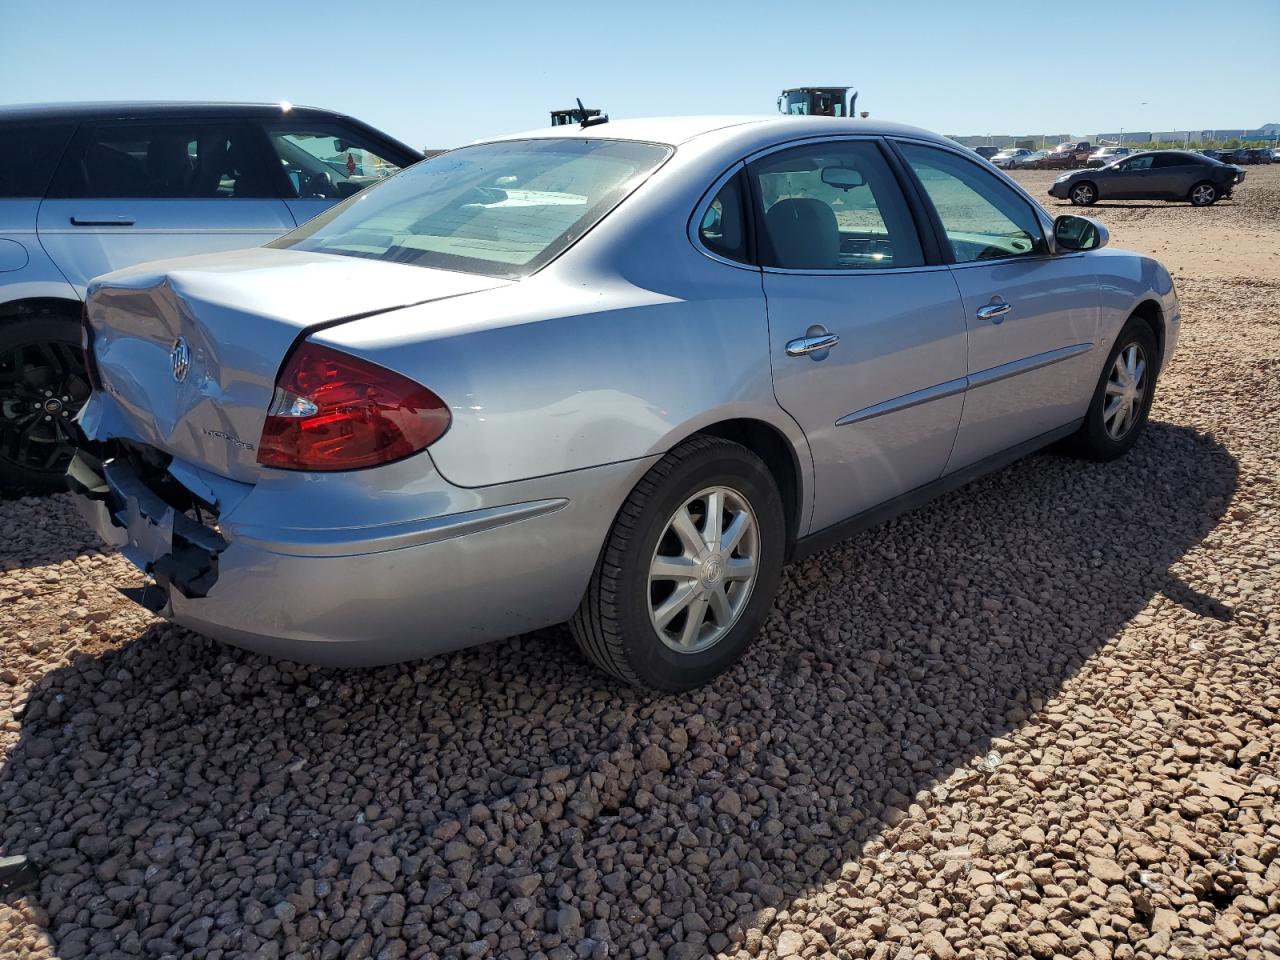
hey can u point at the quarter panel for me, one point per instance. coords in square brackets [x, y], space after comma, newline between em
[585, 370]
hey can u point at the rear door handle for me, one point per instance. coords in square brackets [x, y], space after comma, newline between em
[994, 311]
[103, 221]
[813, 343]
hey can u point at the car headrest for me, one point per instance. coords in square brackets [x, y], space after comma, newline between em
[804, 234]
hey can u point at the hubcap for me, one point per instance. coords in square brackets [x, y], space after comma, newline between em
[1126, 386]
[703, 569]
[1084, 194]
[1203, 194]
[42, 387]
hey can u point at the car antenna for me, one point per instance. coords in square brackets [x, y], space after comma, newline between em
[589, 118]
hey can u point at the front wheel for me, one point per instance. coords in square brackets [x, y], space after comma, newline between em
[689, 569]
[1083, 194]
[1203, 194]
[1121, 401]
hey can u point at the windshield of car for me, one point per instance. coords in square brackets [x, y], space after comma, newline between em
[499, 209]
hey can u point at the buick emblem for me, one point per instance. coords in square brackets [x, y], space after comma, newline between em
[179, 359]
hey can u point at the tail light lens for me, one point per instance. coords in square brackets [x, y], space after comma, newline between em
[86, 345]
[333, 411]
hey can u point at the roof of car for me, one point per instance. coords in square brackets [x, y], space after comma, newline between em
[127, 110]
[677, 130]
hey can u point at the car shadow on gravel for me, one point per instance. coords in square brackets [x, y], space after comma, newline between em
[183, 796]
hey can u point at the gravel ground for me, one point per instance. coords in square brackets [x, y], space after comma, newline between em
[1040, 717]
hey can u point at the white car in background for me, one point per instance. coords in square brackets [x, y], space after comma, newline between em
[1005, 158]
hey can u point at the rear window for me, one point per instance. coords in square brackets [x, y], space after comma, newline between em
[30, 152]
[499, 209]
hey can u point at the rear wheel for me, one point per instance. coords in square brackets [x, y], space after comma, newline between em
[42, 387]
[1083, 194]
[1203, 194]
[1122, 399]
[689, 569]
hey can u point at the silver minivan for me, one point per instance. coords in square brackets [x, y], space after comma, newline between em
[89, 188]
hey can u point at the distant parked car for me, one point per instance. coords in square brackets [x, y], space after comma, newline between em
[1157, 175]
[1104, 155]
[1238, 155]
[1068, 155]
[1028, 162]
[1004, 159]
[1259, 155]
[86, 189]
[985, 152]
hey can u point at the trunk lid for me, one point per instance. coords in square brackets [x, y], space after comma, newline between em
[188, 350]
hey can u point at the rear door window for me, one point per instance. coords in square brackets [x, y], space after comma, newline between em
[834, 205]
[29, 153]
[164, 160]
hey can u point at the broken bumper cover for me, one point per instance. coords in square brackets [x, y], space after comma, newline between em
[177, 551]
[484, 564]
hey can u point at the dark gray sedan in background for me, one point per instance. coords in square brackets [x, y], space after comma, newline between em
[1155, 175]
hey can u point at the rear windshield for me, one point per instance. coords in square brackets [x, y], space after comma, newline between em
[499, 209]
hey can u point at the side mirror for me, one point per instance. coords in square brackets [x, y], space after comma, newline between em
[842, 178]
[1079, 233]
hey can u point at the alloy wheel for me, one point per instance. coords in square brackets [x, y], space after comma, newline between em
[1082, 194]
[1203, 194]
[1126, 386]
[42, 388]
[703, 569]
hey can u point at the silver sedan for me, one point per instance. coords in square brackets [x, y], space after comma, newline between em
[615, 376]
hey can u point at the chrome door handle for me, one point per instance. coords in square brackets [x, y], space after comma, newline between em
[104, 222]
[994, 311]
[803, 346]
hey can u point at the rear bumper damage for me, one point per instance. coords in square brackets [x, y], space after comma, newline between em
[161, 538]
[485, 564]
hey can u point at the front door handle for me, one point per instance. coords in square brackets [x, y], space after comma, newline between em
[103, 221]
[815, 341]
[994, 311]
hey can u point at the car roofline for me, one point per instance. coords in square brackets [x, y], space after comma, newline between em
[153, 109]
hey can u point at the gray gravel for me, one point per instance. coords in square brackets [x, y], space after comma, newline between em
[1038, 718]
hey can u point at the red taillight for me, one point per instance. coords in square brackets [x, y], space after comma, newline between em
[333, 411]
[86, 344]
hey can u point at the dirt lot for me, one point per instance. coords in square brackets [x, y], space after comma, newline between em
[1038, 718]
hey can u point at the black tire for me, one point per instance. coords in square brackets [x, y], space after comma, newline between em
[1093, 440]
[42, 387]
[613, 626]
[1203, 194]
[1083, 194]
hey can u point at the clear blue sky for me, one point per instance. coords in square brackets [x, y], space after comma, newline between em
[436, 74]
